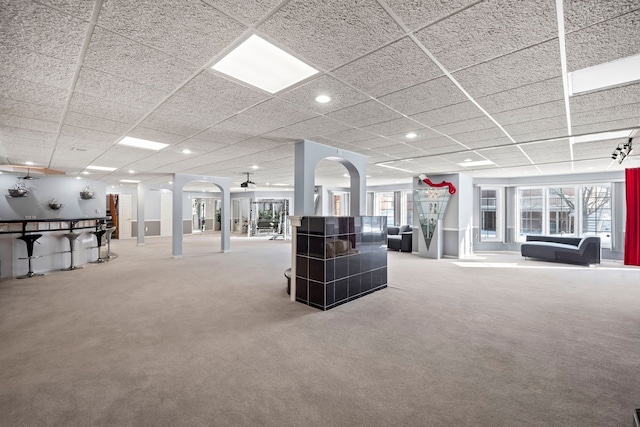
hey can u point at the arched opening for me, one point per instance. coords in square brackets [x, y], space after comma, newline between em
[190, 192]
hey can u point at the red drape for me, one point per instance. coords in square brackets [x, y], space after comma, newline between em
[632, 232]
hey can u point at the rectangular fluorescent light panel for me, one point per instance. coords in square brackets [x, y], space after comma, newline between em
[133, 181]
[142, 143]
[263, 65]
[602, 136]
[605, 75]
[393, 167]
[101, 168]
[477, 163]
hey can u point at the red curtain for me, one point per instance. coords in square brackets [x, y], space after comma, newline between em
[632, 233]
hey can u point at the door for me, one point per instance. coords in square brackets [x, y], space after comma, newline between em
[166, 213]
[124, 212]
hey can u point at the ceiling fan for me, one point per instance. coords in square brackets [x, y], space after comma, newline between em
[248, 183]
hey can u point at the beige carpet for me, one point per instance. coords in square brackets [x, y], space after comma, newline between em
[213, 340]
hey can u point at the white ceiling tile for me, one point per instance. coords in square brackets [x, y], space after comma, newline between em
[117, 89]
[190, 30]
[28, 123]
[246, 12]
[29, 110]
[558, 124]
[89, 105]
[113, 54]
[29, 66]
[523, 96]
[417, 13]
[155, 135]
[392, 68]
[278, 113]
[331, 33]
[32, 93]
[507, 26]
[534, 112]
[96, 123]
[465, 126]
[449, 114]
[550, 151]
[596, 149]
[530, 65]
[584, 13]
[309, 129]
[364, 114]
[604, 42]
[613, 97]
[605, 115]
[225, 95]
[342, 95]
[602, 126]
[431, 95]
[37, 28]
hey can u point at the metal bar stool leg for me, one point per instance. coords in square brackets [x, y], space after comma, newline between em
[72, 236]
[99, 234]
[30, 239]
[110, 231]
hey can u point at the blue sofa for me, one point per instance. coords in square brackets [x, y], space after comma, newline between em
[400, 238]
[573, 250]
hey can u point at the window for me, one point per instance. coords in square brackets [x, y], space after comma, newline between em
[561, 208]
[531, 204]
[596, 213]
[489, 228]
[566, 211]
[340, 203]
[407, 208]
[384, 207]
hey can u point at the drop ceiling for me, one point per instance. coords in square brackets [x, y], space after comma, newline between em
[476, 80]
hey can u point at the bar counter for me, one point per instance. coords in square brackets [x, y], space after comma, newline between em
[51, 251]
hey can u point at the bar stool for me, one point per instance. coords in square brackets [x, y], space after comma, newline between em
[99, 234]
[30, 239]
[72, 236]
[109, 231]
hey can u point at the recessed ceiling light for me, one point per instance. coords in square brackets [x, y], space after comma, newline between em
[411, 135]
[186, 151]
[346, 175]
[254, 167]
[263, 65]
[476, 163]
[101, 168]
[614, 73]
[77, 177]
[132, 171]
[467, 160]
[170, 182]
[142, 143]
[85, 173]
[133, 181]
[602, 136]
[323, 99]
[29, 163]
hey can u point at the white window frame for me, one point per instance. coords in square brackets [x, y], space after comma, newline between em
[500, 225]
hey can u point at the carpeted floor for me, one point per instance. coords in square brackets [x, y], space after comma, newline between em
[213, 340]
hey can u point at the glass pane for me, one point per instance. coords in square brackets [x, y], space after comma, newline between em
[531, 204]
[488, 214]
[596, 213]
[561, 207]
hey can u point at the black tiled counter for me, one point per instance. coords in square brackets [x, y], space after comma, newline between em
[339, 259]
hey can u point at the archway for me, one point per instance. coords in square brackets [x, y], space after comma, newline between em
[307, 156]
[179, 182]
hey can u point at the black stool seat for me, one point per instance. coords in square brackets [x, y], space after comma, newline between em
[72, 236]
[30, 239]
[99, 234]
